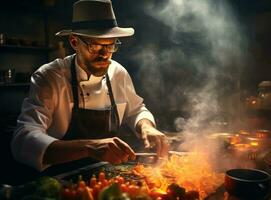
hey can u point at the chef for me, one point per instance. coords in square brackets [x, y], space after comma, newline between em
[77, 104]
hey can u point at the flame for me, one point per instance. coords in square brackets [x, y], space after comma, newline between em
[192, 172]
[254, 144]
[236, 139]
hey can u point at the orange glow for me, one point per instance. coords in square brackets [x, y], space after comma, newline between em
[192, 172]
[236, 139]
[255, 144]
[260, 135]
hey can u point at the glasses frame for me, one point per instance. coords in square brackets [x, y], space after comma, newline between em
[102, 46]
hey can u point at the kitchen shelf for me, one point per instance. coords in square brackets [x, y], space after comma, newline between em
[14, 84]
[12, 47]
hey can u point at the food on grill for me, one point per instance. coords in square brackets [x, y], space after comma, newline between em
[192, 172]
[188, 177]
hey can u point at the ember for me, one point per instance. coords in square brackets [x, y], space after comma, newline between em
[192, 172]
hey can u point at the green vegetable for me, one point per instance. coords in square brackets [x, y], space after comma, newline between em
[113, 192]
[48, 187]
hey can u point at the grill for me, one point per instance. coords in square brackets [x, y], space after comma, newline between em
[124, 170]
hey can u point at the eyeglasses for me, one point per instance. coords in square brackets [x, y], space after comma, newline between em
[95, 48]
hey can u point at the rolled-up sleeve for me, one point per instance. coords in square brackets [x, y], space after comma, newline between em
[136, 109]
[30, 139]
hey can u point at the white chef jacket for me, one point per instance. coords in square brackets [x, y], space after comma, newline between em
[46, 112]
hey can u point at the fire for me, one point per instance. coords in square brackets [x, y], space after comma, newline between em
[192, 172]
[255, 144]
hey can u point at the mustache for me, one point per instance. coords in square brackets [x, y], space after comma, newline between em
[102, 60]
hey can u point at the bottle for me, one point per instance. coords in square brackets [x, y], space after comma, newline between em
[9, 75]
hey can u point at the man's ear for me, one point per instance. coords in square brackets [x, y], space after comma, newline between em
[73, 41]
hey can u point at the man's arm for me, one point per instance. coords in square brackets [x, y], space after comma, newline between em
[112, 150]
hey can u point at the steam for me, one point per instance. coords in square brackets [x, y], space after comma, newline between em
[197, 71]
[192, 65]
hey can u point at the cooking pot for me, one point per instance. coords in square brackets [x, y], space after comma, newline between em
[247, 183]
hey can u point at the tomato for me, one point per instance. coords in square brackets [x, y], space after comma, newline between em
[87, 194]
[96, 190]
[120, 179]
[100, 184]
[82, 184]
[92, 181]
[105, 182]
[101, 176]
[124, 187]
[133, 190]
[79, 193]
[66, 194]
[116, 181]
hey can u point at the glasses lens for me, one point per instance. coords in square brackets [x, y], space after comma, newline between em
[110, 48]
[97, 47]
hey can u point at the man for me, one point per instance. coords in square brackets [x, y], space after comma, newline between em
[76, 104]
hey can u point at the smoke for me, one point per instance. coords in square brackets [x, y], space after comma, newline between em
[191, 65]
[192, 62]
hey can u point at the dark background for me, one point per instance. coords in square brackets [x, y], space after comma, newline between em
[167, 81]
[26, 24]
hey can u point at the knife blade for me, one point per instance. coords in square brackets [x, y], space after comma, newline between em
[179, 153]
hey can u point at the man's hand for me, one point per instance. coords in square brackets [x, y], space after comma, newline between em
[112, 150]
[151, 135]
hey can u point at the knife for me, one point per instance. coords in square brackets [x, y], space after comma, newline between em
[179, 153]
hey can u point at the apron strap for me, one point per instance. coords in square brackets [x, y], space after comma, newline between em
[113, 103]
[74, 84]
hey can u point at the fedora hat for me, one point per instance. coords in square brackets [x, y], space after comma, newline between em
[95, 18]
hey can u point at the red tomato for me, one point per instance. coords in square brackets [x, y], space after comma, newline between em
[101, 176]
[79, 193]
[116, 181]
[100, 184]
[82, 184]
[66, 194]
[120, 179]
[133, 190]
[124, 187]
[96, 191]
[92, 182]
[105, 183]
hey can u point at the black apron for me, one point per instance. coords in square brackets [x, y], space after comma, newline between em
[92, 124]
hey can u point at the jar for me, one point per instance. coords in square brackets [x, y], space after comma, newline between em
[2, 38]
[264, 95]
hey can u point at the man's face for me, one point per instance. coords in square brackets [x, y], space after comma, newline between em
[94, 54]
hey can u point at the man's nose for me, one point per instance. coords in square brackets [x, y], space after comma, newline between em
[104, 53]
